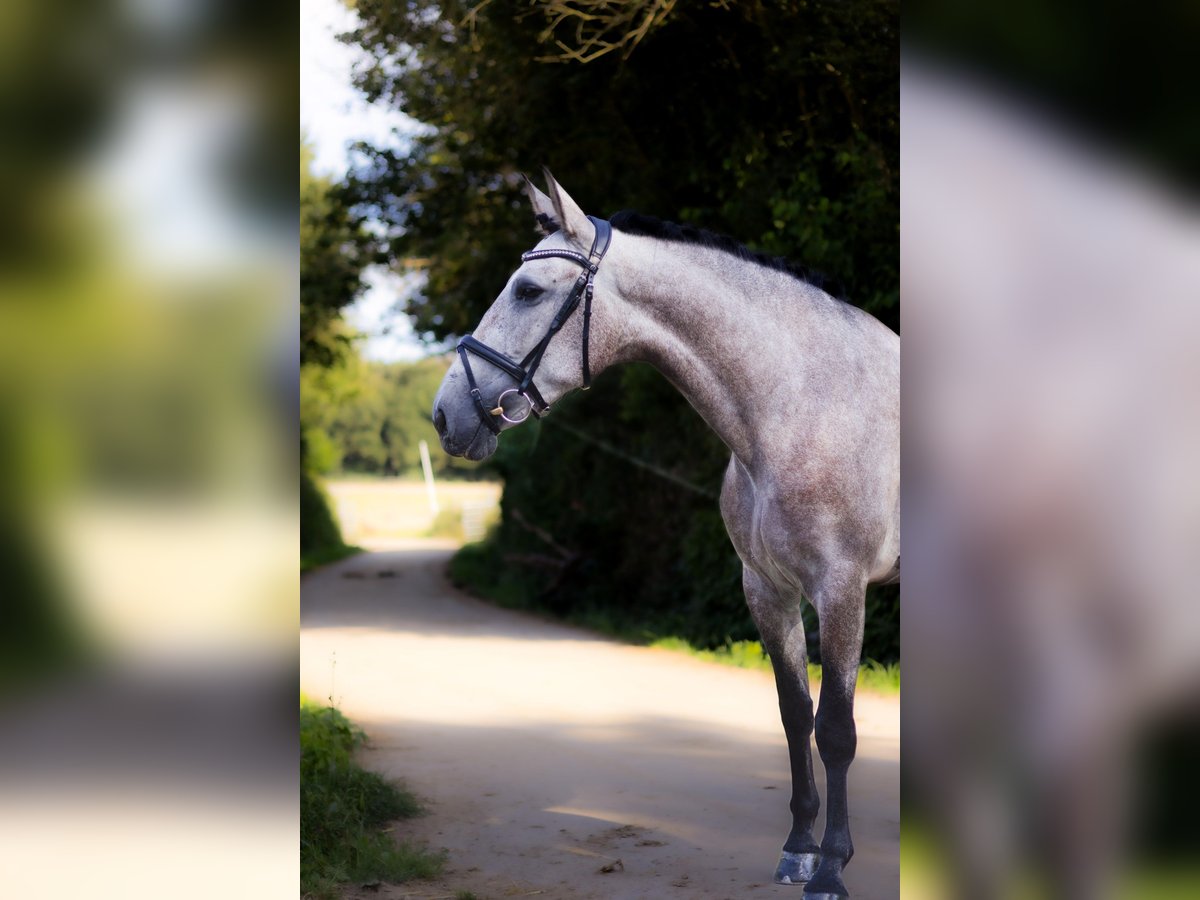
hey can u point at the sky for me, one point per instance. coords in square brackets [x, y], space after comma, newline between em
[333, 115]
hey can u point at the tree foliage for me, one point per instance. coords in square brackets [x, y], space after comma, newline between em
[368, 418]
[584, 30]
[334, 251]
[776, 122]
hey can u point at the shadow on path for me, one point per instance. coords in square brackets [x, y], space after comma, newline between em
[547, 753]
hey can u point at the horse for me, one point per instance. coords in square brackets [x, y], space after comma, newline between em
[804, 390]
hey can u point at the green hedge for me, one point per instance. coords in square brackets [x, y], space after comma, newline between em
[635, 552]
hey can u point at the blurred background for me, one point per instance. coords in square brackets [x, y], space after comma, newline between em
[1050, 268]
[148, 399]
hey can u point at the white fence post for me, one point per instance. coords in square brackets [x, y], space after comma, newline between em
[429, 488]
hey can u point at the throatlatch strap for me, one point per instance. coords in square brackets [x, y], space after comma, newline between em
[599, 248]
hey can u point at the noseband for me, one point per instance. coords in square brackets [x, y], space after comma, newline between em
[523, 371]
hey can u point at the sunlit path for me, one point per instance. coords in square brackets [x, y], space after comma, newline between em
[547, 753]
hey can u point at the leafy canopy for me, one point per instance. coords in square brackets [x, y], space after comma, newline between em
[334, 252]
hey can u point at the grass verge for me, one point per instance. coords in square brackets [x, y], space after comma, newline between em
[343, 811]
[872, 676]
[325, 556]
[925, 871]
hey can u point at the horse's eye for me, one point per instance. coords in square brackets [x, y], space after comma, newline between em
[527, 292]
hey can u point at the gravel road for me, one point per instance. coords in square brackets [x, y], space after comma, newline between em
[556, 763]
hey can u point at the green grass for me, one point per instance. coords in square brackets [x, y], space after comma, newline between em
[344, 810]
[925, 872]
[739, 654]
[1163, 881]
[879, 678]
[872, 676]
[447, 524]
[325, 556]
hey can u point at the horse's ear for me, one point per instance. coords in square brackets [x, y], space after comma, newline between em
[573, 220]
[543, 208]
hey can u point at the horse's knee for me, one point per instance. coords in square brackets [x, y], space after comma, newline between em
[837, 737]
[796, 710]
[804, 716]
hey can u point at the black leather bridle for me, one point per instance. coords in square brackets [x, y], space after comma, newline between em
[524, 370]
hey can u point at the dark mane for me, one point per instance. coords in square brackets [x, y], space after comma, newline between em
[632, 222]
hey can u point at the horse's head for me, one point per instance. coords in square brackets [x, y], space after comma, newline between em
[531, 346]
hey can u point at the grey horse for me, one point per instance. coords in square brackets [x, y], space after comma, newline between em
[803, 389]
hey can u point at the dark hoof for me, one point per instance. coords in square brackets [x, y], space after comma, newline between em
[823, 887]
[796, 868]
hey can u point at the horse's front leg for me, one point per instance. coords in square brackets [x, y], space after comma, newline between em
[840, 605]
[782, 630]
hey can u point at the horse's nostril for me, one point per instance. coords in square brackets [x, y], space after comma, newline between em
[439, 421]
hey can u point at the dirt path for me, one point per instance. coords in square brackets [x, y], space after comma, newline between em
[547, 754]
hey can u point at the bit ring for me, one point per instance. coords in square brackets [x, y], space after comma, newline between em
[504, 415]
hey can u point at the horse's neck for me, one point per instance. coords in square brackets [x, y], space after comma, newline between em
[724, 331]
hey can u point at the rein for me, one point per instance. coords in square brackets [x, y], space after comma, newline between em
[522, 372]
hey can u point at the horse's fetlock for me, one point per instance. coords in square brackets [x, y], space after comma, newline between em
[801, 842]
[805, 809]
[837, 847]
